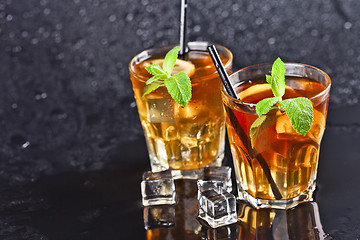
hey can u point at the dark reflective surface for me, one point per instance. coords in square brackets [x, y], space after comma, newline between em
[302, 222]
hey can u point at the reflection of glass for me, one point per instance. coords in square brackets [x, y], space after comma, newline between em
[300, 223]
[180, 138]
[278, 169]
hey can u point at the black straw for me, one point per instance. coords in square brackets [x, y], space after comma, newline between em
[236, 125]
[222, 72]
[183, 27]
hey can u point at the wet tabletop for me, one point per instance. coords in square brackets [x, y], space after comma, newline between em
[72, 149]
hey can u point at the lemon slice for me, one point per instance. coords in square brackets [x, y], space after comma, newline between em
[257, 89]
[180, 66]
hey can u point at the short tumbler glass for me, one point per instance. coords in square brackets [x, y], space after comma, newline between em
[278, 169]
[182, 138]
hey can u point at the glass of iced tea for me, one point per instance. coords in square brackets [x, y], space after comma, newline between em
[279, 168]
[182, 138]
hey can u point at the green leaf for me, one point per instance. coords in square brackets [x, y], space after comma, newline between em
[170, 59]
[155, 69]
[277, 80]
[259, 125]
[300, 111]
[156, 78]
[268, 79]
[151, 87]
[179, 87]
[266, 104]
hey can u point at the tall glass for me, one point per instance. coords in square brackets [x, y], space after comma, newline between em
[182, 138]
[279, 169]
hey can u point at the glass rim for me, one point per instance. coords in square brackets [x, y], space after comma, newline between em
[227, 64]
[327, 88]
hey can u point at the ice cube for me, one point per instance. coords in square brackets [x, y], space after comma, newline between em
[283, 125]
[158, 188]
[229, 232]
[217, 209]
[220, 174]
[159, 217]
[160, 110]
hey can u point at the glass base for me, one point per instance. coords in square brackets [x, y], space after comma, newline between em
[187, 174]
[258, 203]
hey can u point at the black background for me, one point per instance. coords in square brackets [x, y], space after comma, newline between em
[71, 141]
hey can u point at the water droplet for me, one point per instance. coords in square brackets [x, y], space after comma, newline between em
[16, 49]
[43, 2]
[112, 18]
[26, 144]
[133, 104]
[197, 28]
[34, 41]
[347, 25]
[271, 41]
[40, 96]
[314, 32]
[18, 141]
[235, 7]
[129, 17]
[9, 18]
[47, 11]
[58, 26]
[104, 41]
[14, 106]
[258, 21]
[326, 37]
[58, 114]
[82, 12]
[24, 34]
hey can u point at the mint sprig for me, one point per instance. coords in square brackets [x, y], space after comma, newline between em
[299, 110]
[178, 85]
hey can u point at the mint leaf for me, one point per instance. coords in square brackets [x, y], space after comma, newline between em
[268, 79]
[260, 124]
[170, 59]
[300, 111]
[155, 69]
[179, 87]
[156, 78]
[277, 80]
[266, 104]
[151, 87]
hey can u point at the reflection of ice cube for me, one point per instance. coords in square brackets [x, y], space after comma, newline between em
[160, 110]
[159, 217]
[217, 209]
[218, 174]
[158, 188]
[230, 232]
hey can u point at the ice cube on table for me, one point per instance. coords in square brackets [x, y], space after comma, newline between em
[217, 174]
[217, 209]
[159, 217]
[158, 188]
[160, 110]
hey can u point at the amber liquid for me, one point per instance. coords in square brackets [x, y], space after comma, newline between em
[183, 138]
[291, 157]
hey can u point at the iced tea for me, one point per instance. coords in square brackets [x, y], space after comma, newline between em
[281, 164]
[183, 138]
